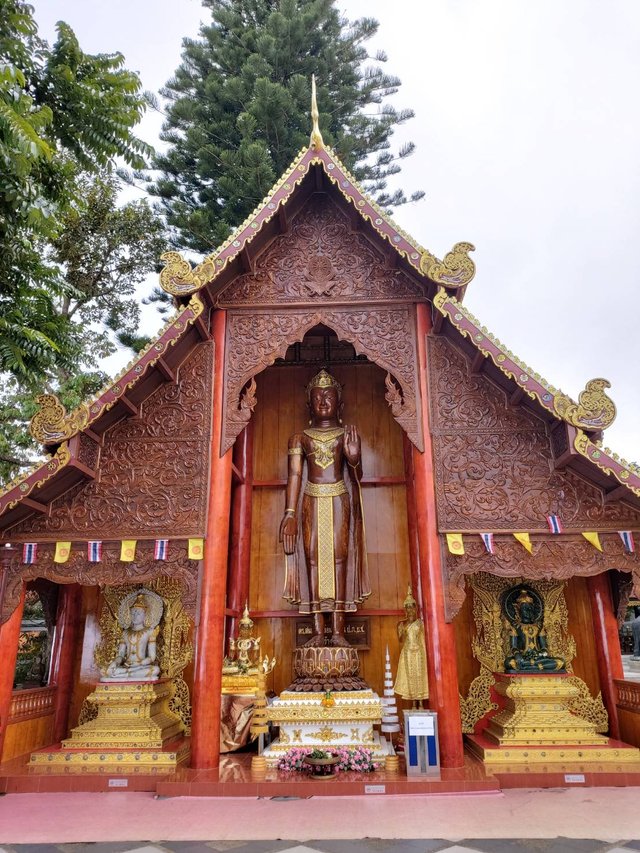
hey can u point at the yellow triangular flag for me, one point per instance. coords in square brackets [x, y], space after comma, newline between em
[455, 543]
[524, 540]
[128, 550]
[196, 549]
[63, 550]
[592, 536]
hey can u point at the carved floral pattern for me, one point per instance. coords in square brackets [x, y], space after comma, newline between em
[557, 558]
[493, 461]
[153, 469]
[110, 571]
[321, 258]
[386, 335]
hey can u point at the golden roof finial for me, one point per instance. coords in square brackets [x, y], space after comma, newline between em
[316, 137]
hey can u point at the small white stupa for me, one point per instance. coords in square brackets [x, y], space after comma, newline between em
[390, 721]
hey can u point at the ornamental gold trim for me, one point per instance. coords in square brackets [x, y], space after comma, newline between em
[51, 424]
[594, 409]
[60, 458]
[456, 269]
[608, 462]
[326, 734]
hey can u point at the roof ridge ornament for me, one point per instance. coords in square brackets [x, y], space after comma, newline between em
[52, 425]
[316, 140]
[595, 410]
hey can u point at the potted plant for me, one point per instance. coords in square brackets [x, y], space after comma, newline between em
[322, 763]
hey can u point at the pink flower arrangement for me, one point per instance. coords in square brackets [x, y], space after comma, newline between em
[357, 759]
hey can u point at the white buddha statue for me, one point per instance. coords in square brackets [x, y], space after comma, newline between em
[137, 650]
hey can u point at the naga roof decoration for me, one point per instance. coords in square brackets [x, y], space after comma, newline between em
[52, 426]
[455, 271]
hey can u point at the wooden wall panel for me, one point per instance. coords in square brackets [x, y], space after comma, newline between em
[585, 664]
[629, 726]
[465, 628]
[280, 412]
[25, 736]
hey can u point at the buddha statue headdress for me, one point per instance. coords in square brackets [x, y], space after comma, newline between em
[141, 602]
[323, 379]
[246, 622]
[410, 600]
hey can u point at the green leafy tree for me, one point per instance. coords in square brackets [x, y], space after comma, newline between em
[102, 253]
[61, 111]
[238, 111]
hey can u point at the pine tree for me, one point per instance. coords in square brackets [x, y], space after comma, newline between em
[238, 111]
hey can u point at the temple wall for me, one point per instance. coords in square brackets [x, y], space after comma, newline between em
[281, 411]
[152, 469]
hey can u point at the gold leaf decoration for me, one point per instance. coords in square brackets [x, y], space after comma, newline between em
[52, 425]
[455, 270]
[594, 409]
[178, 278]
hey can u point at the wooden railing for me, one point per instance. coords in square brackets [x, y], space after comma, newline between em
[628, 694]
[26, 704]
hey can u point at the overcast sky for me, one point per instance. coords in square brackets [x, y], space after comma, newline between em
[528, 145]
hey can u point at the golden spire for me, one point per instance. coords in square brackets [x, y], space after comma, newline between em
[316, 137]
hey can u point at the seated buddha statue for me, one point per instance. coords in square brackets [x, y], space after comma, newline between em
[137, 648]
[528, 650]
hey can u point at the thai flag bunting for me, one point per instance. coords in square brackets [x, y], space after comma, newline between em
[29, 552]
[627, 540]
[94, 552]
[555, 525]
[161, 550]
[487, 538]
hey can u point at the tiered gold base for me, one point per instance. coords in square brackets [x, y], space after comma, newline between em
[520, 757]
[536, 713]
[134, 726]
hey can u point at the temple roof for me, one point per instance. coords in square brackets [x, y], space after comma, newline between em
[195, 290]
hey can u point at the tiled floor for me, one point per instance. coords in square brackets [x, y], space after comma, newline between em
[367, 845]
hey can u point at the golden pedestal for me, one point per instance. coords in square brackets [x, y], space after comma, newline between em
[536, 727]
[134, 726]
[536, 713]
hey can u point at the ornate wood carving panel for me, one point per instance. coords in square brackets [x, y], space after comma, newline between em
[558, 558]
[111, 570]
[153, 469]
[386, 335]
[493, 461]
[320, 260]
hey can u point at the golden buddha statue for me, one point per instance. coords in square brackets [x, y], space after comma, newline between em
[327, 575]
[528, 652]
[411, 680]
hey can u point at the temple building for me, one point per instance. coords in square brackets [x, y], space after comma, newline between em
[160, 515]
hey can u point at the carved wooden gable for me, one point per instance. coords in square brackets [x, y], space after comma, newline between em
[494, 472]
[321, 272]
[152, 470]
[321, 259]
[493, 461]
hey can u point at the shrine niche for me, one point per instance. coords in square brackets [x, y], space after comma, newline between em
[385, 335]
[491, 646]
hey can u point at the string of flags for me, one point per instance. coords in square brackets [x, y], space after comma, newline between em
[195, 549]
[455, 542]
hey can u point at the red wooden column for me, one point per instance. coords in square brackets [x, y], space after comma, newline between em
[240, 556]
[67, 630]
[9, 635]
[441, 646]
[412, 522]
[605, 627]
[207, 676]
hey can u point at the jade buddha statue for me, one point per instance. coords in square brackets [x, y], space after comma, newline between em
[136, 657]
[528, 653]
